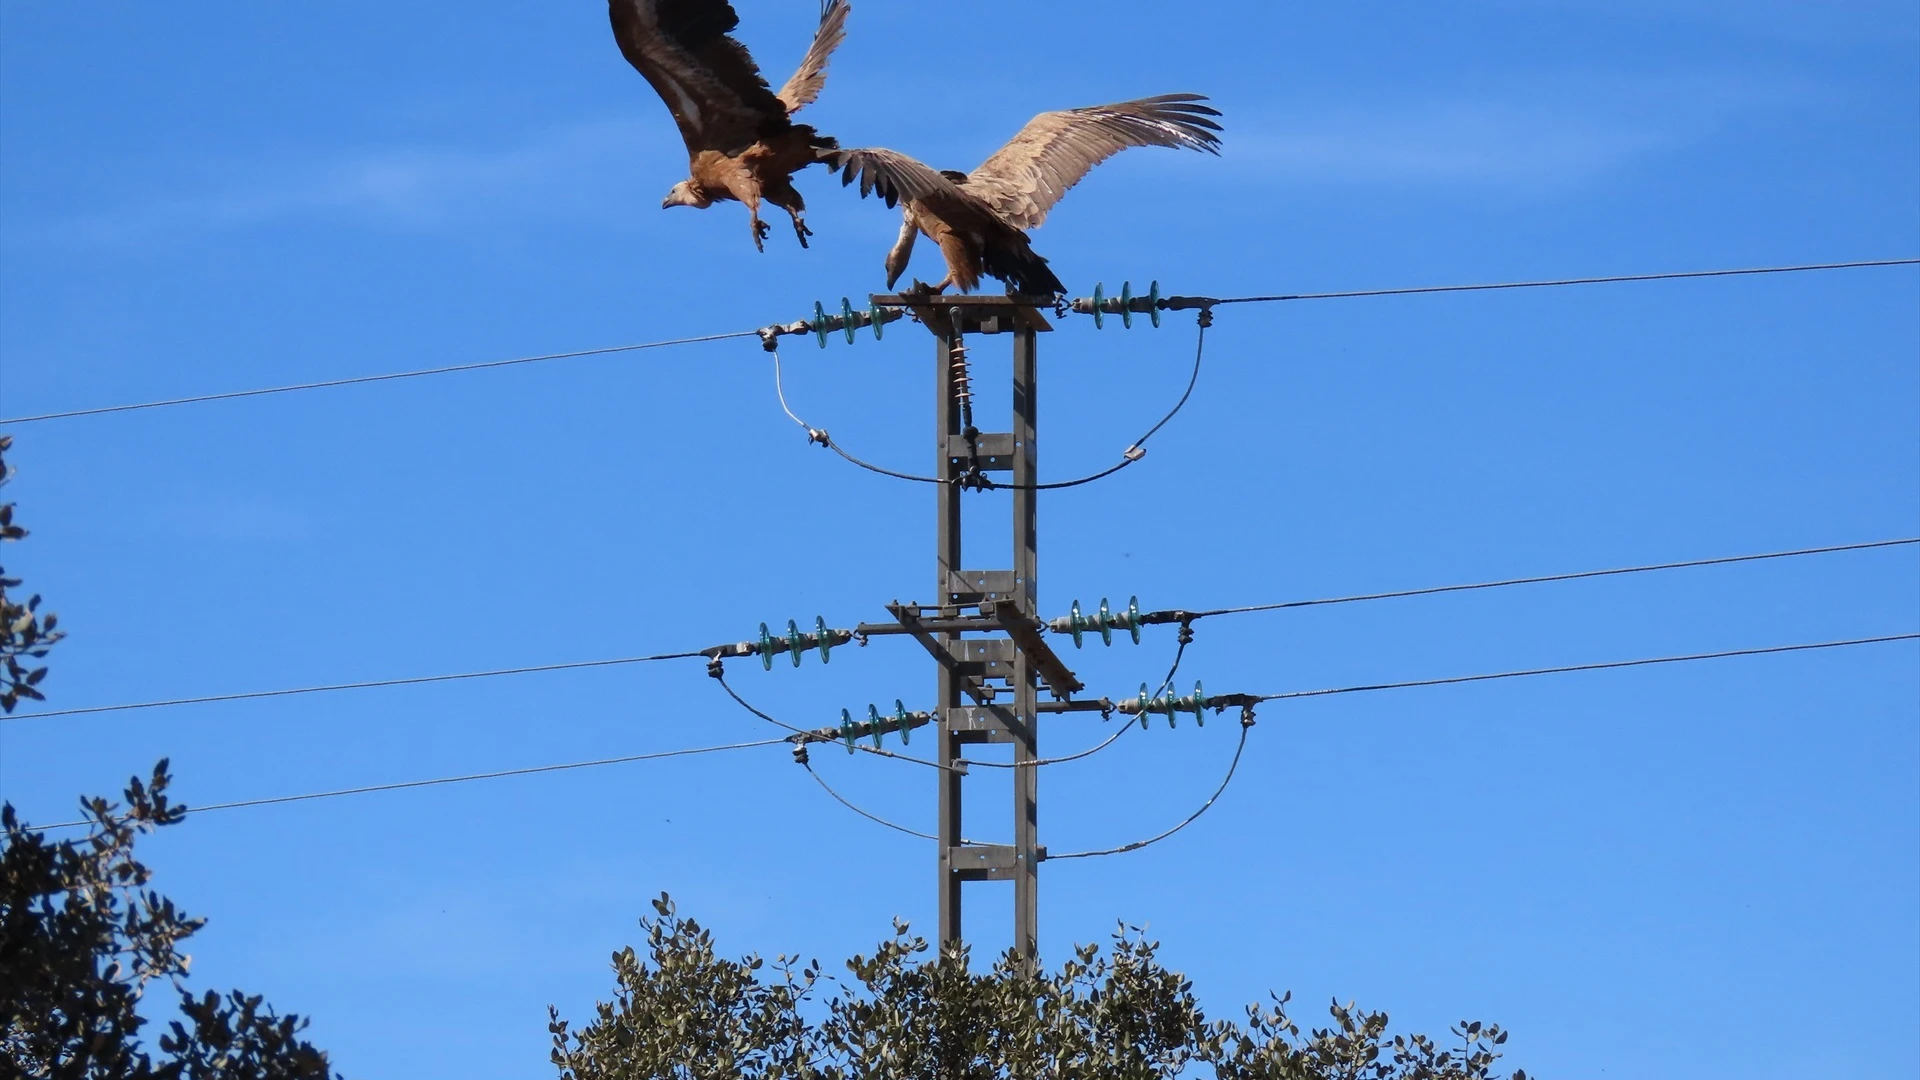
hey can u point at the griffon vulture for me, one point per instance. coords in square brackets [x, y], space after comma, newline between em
[980, 218]
[740, 142]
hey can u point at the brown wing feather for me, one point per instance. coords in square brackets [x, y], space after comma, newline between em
[708, 80]
[812, 74]
[1056, 149]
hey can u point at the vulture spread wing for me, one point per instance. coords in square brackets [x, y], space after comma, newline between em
[896, 176]
[708, 80]
[1056, 149]
[812, 75]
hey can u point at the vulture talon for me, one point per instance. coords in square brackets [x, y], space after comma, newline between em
[761, 230]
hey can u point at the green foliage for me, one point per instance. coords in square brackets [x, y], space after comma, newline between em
[24, 632]
[82, 939]
[909, 1014]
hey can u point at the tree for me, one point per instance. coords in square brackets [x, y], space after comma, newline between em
[24, 632]
[82, 937]
[687, 1013]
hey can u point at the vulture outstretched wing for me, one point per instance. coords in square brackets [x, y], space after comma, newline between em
[708, 80]
[812, 74]
[895, 176]
[1055, 150]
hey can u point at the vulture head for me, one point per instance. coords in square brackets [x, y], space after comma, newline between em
[686, 193]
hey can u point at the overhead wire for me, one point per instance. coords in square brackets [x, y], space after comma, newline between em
[403, 785]
[1246, 725]
[1602, 666]
[1544, 578]
[718, 672]
[418, 680]
[1193, 615]
[1134, 452]
[1559, 282]
[388, 377]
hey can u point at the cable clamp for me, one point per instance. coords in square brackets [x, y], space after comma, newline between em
[1186, 631]
[819, 435]
[1134, 452]
[800, 753]
[1206, 316]
[715, 668]
[1246, 715]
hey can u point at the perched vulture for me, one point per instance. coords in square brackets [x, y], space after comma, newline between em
[980, 218]
[740, 142]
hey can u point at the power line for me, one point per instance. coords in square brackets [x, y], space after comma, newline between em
[1578, 575]
[1407, 291]
[1131, 454]
[359, 379]
[587, 664]
[1246, 725]
[1604, 666]
[1615, 279]
[414, 681]
[277, 800]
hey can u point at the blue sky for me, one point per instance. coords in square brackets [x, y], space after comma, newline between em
[1694, 871]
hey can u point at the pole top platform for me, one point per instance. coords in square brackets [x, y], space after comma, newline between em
[978, 314]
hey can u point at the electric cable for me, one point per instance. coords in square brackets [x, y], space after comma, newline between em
[1603, 666]
[1246, 725]
[254, 695]
[1556, 283]
[277, 800]
[717, 670]
[1436, 590]
[389, 377]
[1131, 454]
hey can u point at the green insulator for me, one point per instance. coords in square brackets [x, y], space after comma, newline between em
[820, 323]
[1099, 299]
[1133, 618]
[906, 729]
[846, 316]
[1126, 304]
[766, 648]
[1153, 311]
[1076, 623]
[1146, 707]
[847, 731]
[1173, 707]
[878, 320]
[1199, 704]
[824, 636]
[873, 724]
[794, 648]
[1106, 622]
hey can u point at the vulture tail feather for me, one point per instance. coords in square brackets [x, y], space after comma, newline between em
[1015, 262]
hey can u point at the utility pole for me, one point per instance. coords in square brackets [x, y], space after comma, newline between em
[984, 630]
[998, 603]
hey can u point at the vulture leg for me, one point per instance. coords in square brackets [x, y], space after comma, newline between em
[760, 229]
[788, 199]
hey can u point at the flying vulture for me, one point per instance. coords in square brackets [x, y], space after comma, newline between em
[980, 218]
[740, 142]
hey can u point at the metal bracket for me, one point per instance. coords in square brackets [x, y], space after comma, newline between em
[1026, 636]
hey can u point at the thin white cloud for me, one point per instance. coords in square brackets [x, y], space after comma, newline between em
[1537, 138]
[588, 170]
